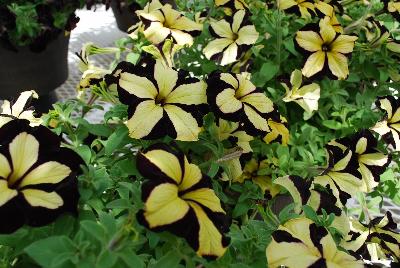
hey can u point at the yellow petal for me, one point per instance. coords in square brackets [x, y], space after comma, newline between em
[6, 193]
[146, 116]
[139, 86]
[167, 162]
[222, 28]
[189, 94]
[164, 206]
[343, 44]
[5, 168]
[314, 64]
[309, 40]
[216, 46]
[247, 35]
[338, 64]
[156, 33]
[166, 78]
[259, 101]
[39, 198]
[227, 102]
[182, 38]
[231, 80]
[191, 177]
[205, 197]
[326, 30]
[286, 4]
[49, 172]
[257, 121]
[24, 151]
[210, 239]
[230, 54]
[245, 86]
[237, 20]
[185, 124]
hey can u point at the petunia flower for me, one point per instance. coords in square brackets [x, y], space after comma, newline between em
[233, 97]
[161, 100]
[178, 198]
[279, 131]
[371, 163]
[377, 241]
[304, 192]
[230, 6]
[19, 109]
[306, 95]
[393, 7]
[160, 22]
[37, 176]
[234, 36]
[375, 32]
[301, 243]
[389, 127]
[328, 7]
[304, 8]
[327, 50]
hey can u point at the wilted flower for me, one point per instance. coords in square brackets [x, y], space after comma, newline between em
[162, 101]
[234, 37]
[37, 176]
[306, 96]
[279, 131]
[393, 7]
[301, 243]
[327, 50]
[178, 198]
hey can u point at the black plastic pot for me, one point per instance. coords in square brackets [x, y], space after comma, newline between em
[26, 70]
[125, 14]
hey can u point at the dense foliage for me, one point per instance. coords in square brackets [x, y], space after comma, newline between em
[239, 133]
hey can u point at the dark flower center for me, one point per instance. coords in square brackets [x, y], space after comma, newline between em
[325, 48]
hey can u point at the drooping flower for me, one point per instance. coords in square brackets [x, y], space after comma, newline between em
[178, 198]
[230, 6]
[301, 243]
[304, 8]
[379, 240]
[393, 7]
[231, 131]
[389, 127]
[162, 101]
[304, 192]
[306, 96]
[327, 50]
[19, 109]
[233, 97]
[160, 22]
[37, 176]
[371, 163]
[279, 131]
[234, 36]
[375, 32]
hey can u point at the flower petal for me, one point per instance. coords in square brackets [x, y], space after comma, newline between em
[39, 198]
[227, 102]
[139, 86]
[49, 172]
[314, 64]
[338, 64]
[309, 40]
[186, 126]
[146, 116]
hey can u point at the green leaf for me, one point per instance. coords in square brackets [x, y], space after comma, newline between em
[117, 140]
[170, 260]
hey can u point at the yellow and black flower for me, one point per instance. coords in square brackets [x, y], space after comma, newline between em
[393, 7]
[233, 97]
[328, 7]
[375, 32]
[178, 198]
[389, 127]
[160, 22]
[304, 192]
[234, 36]
[230, 6]
[326, 49]
[371, 163]
[301, 243]
[279, 131]
[231, 131]
[303, 8]
[162, 101]
[37, 176]
[19, 109]
[377, 241]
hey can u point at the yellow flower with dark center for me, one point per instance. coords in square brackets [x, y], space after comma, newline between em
[389, 127]
[233, 97]
[304, 8]
[19, 109]
[301, 243]
[162, 22]
[234, 36]
[377, 241]
[306, 96]
[230, 6]
[327, 49]
[161, 100]
[178, 198]
[393, 7]
[37, 176]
